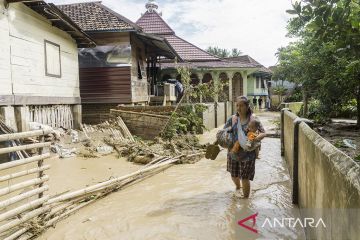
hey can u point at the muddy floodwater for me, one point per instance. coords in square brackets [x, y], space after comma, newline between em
[193, 201]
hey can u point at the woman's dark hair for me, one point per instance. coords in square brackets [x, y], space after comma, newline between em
[245, 100]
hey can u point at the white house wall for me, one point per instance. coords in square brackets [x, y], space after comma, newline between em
[22, 70]
[5, 72]
[139, 87]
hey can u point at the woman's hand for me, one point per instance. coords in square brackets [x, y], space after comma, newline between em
[260, 137]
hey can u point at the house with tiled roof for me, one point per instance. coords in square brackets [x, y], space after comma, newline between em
[244, 75]
[39, 68]
[122, 66]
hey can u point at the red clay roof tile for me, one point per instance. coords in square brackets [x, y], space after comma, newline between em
[93, 16]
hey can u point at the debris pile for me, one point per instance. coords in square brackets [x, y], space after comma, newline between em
[342, 135]
[108, 137]
[92, 142]
[143, 152]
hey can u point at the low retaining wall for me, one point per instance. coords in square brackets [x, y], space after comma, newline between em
[293, 106]
[145, 125]
[214, 116]
[220, 114]
[209, 117]
[96, 113]
[160, 110]
[326, 182]
[288, 139]
[229, 111]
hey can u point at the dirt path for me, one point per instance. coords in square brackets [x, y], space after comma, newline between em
[194, 201]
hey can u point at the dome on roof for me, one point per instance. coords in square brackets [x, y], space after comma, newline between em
[151, 6]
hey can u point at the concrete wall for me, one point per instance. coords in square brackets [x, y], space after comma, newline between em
[328, 179]
[229, 111]
[329, 183]
[293, 106]
[209, 116]
[289, 118]
[96, 113]
[220, 114]
[144, 125]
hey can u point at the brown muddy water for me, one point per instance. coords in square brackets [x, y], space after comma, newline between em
[194, 201]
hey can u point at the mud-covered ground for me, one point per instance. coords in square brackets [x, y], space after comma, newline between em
[343, 135]
[188, 201]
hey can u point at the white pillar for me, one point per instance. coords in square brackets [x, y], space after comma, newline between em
[230, 76]
[77, 116]
[22, 118]
[245, 82]
[8, 113]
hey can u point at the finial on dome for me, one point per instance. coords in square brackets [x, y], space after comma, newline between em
[151, 6]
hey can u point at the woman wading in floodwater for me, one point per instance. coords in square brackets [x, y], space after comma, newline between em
[241, 164]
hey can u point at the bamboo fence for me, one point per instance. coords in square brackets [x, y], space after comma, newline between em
[22, 200]
[30, 212]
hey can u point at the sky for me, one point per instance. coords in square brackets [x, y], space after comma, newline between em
[256, 27]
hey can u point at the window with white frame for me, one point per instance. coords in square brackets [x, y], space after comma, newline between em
[52, 59]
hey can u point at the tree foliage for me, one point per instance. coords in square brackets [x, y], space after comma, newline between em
[207, 90]
[223, 52]
[325, 59]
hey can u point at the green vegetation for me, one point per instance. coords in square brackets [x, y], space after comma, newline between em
[325, 59]
[295, 96]
[223, 52]
[187, 119]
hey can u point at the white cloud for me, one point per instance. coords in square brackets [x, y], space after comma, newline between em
[256, 27]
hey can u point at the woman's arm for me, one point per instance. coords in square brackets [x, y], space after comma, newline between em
[260, 137]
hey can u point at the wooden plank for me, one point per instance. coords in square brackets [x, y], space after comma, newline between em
[32, 27]
[105, 85]
[5, 73]
[41, 100]
[27, 33]
[6, 100]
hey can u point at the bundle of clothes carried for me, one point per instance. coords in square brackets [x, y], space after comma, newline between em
[245, 141]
